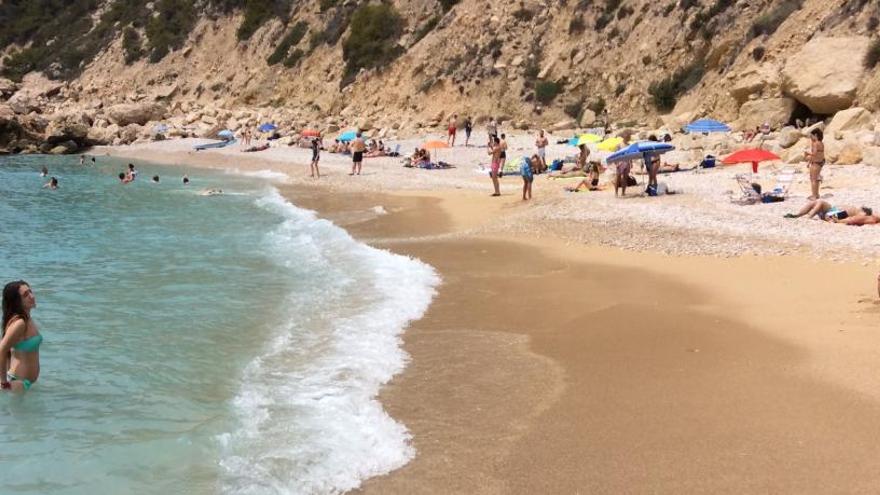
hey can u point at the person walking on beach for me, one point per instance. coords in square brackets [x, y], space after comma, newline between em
[358, 146]
[316, 155]
[452, 129]
[468, 127]
[20, 344]
[816, 160]
[541, 143]
[503, 145]
[495, 151]
[492, 130]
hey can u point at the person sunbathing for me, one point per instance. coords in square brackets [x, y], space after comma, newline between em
[591, 183]
[849, 215]
[256, 148]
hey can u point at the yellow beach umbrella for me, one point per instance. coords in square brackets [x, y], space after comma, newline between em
[610, 144]
[588, 139]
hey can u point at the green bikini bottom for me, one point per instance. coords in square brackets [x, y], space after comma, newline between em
[26, 383]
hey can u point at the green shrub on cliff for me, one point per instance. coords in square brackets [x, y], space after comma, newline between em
[258, 12]
[292, 39]
[169, 27]
[372, 41]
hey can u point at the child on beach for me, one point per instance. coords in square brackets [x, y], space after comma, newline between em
[526, 169]
[316, 155]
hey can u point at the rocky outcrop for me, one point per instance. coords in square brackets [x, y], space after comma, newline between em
[851, 119]
[124, 114]
[775, 111]
[825, 74]
[754, 81]
[850, 153]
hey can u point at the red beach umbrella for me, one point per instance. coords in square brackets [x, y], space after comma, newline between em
[310, 133]
[753, 156]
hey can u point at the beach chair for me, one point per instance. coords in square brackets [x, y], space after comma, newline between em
[748, 195]
[784, 180]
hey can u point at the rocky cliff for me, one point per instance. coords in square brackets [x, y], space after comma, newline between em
[93, 71]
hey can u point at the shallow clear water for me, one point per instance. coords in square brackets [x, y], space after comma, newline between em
[224, 344]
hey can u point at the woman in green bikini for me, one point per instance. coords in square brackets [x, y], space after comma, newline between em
[20, 345]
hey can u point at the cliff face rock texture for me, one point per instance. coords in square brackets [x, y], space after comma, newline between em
[406, 65]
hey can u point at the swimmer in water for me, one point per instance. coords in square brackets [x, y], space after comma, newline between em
[185, 180]
[155, 179]
[212, 192]
[52, 184]
[44, 172]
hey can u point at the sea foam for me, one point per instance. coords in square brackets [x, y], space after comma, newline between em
[308, 418]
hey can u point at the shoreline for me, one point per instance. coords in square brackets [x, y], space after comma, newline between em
[547, 365]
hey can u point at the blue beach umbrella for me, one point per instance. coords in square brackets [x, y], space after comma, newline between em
[160, 128]
[347, 136]
[643, 149]
[226, 133]
[267, 127]
[705, 126]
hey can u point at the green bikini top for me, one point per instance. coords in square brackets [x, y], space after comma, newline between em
[31, 344]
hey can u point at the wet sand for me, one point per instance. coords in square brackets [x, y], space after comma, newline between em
[550, 368]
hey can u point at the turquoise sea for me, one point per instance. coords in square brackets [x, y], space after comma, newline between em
[197, 344]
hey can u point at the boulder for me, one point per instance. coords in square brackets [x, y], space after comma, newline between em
[563, 125]
[65, 128]
[588, 117]
[871, 156]
[776, 111]
[125, 114]
[129, 134]
[7, 88]
[753, 81]
[850, 154]
[851, 119]
[24, 103]
[788, 137]
[100, 136]
[825, 74]
[64, 148]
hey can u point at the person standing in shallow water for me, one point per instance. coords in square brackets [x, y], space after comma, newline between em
[20, 344]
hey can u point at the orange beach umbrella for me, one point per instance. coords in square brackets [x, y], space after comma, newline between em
[431, 145]
[753, 156]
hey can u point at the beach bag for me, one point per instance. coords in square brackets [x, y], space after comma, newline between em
[556, 165]
[708, 162]
[651, 190]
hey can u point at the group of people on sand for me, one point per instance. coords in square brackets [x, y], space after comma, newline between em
[452, 130]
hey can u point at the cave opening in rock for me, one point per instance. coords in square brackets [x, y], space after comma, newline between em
[804, 115]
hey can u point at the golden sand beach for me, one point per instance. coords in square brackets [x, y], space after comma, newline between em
[579, 355]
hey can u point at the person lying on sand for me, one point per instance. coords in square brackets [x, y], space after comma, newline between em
[252, 149]
[849, 215]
